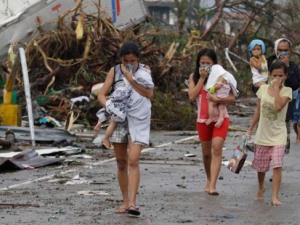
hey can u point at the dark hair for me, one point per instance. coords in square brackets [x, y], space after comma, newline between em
[204, 52]
[129, 47]
[278, 64]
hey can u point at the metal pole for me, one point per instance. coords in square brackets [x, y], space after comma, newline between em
[27, 94]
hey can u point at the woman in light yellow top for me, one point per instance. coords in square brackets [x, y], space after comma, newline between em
[271, 134]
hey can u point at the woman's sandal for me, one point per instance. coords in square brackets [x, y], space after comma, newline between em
[215, 193]
[121, 210]
[134, 210]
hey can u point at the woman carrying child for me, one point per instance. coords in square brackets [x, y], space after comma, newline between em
[129, 136]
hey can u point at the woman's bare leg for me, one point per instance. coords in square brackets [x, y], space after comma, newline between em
[206, 157]
[216, 160]
[122, 163]
[261, 185]
[276, 186]
[298, 132]
[295, 128]
[134, 171]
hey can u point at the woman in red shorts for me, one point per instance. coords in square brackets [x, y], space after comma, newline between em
[212, 138]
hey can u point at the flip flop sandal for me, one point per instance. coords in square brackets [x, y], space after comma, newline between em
[213, 193]
[121, 210]
[133, 210]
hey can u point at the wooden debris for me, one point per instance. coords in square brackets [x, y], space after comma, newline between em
[13, 205]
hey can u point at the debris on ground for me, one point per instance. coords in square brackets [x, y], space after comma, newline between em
[67, 66]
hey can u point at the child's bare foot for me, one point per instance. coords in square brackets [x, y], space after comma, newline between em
[219, 122]
[97, 127]
[276, 202]
[209, 121]
[106, 143]
[260, 194]
[231, 164]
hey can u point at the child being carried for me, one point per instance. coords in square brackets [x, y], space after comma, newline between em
[219, 82]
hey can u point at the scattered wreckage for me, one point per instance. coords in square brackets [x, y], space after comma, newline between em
[68, 46]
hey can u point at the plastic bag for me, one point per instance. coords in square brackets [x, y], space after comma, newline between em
[238, 158]
[249, 143]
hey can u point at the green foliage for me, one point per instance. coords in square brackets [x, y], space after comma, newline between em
[244, 82]
[169, 38]
[85, 76]
[84, 73]
[166, 34]
[182, 8]
[172, 113]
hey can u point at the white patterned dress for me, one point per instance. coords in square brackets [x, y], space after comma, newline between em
[126, 103]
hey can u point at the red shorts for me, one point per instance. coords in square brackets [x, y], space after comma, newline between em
[208, 132]
[268, 156]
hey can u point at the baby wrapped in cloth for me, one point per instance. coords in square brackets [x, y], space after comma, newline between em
[126, 102]
[220, 82]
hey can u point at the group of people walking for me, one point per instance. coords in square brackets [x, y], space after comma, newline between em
[129, 111]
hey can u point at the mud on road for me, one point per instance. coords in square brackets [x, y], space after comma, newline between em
[85, 191]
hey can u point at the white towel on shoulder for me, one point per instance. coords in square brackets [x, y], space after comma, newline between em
[216, 72]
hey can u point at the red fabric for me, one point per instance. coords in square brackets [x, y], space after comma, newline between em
[208, 132]
[203, 105]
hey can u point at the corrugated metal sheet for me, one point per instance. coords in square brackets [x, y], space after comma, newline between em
[20, 24]
[11, 9]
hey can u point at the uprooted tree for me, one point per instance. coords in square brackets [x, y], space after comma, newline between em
[66, 61]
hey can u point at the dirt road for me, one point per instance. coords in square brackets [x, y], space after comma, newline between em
[85, 191]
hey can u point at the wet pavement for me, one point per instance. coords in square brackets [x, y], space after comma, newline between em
[85, 191]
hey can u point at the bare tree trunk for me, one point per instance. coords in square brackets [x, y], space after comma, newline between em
[247, 24]
[181, 14]
[220, 6]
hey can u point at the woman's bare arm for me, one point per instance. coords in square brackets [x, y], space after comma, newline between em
[279, 101]
[108, 83]
[227, 101]
[254, 119]
[146, 92]
[194, 89]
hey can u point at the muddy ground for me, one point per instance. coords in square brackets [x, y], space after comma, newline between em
[85, 191]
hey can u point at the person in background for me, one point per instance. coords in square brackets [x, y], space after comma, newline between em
[296, 115]
[129, 136]
[283, 51]
[271, 133]
[258, 63]
[212, 138]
